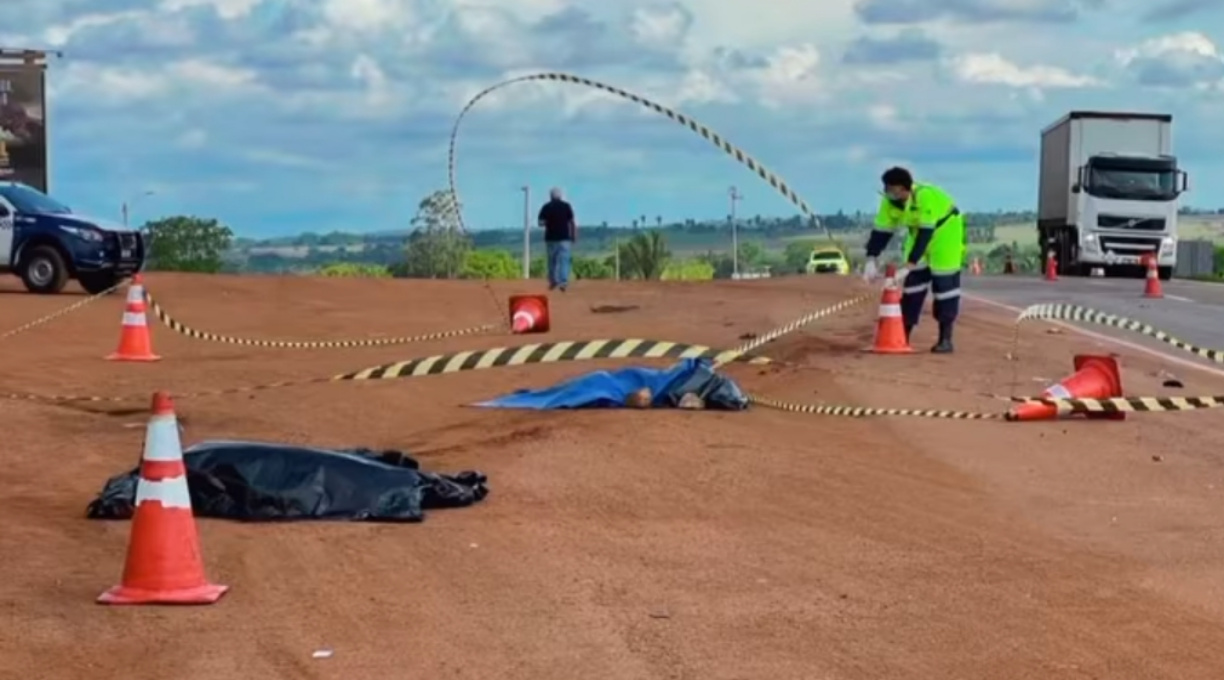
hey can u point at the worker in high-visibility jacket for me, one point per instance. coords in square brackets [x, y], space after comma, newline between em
[935, 249]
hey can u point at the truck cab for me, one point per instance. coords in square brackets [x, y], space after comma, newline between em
[1128, 208]
[46, 244]
[1109, 193]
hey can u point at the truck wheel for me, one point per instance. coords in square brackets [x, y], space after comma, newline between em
[1165, 273]
[43, 271]
[97, 282]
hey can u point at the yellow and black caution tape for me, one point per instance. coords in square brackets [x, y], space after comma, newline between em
[453, 209]
[457, 362]
[1131, 404]
[60, 312]
[793, 326]
[1063, 312]
[183, 329]
[869, 412]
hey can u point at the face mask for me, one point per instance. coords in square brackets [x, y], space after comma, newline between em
[896, 201]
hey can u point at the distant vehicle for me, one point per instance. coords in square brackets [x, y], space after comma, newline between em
[828, 260]
[46, 244]
[1108, 193]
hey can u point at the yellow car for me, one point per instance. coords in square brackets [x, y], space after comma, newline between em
[828, 260]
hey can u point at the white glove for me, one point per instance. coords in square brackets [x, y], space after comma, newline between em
[871, 270]
[902, 272]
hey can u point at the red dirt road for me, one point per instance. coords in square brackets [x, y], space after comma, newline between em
[623, 544]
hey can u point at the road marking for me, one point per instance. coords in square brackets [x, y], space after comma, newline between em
[1178, 298]
[1105, 338]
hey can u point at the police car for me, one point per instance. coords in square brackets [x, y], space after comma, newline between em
[46, 244]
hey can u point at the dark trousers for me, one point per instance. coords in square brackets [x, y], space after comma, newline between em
[946, 287]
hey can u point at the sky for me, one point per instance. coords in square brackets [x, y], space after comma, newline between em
[283, 116]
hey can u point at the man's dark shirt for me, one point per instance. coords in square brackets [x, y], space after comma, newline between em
[558, 219]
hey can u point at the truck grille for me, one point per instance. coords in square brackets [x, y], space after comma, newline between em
[127, 241]
[1137, 223]
[1129, 245]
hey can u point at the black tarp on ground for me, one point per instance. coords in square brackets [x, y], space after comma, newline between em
[256, 481]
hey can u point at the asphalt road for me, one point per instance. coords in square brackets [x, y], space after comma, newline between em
[1190, 310]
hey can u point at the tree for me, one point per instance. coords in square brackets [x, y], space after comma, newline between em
[645, 255]
[796, 255]
[435, 248]
[187, 244]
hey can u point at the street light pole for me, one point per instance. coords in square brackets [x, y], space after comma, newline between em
[526, 231]
[125, 209]
[736, 197]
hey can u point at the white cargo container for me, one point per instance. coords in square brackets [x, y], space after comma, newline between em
[1108, 192]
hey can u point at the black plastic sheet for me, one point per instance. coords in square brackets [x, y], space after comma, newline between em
[257, 481]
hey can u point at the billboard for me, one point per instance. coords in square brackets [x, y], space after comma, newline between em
[23, 122]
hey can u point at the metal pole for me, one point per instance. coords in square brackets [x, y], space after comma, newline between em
[127, 205]
[526, 232]
[735, 269]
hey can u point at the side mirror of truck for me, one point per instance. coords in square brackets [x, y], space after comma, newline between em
[1185, 181]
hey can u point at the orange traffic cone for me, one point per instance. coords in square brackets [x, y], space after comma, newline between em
[163, 558]
[890, 328]
[1095, 377]
[135, 341]
[1152, 289]
[529, 313]
[1051, 269]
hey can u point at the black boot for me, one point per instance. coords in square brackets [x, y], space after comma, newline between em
[944, 346]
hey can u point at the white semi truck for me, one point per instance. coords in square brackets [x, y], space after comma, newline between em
[1108, 193]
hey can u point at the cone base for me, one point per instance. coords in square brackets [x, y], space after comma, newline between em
[1153, 296]
[205, 594]
[889, 350]
[117, 356]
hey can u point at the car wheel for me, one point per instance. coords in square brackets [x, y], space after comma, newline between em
[43, 271]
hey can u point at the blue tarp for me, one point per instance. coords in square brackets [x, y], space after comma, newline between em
[609, 389]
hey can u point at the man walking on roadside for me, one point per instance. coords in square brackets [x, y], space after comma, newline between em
[560, 233]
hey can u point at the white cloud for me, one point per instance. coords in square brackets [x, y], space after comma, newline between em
[791, 75]
[1190, 42]
[990, 68]
[659, 27]
[226, 9]
[1188, 59]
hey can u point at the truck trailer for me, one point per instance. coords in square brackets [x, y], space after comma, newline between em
[1108, 193]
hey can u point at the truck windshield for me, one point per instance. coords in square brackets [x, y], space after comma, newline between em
[29, 200]
[1133, 184]
[825, 256]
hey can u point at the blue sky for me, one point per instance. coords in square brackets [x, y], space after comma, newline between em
[279, 116]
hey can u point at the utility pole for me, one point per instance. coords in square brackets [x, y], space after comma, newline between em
[736, 197]
[526, 231]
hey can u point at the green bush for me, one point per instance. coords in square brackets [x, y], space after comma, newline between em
[688, 270]
[355, 269]
[490, 264]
